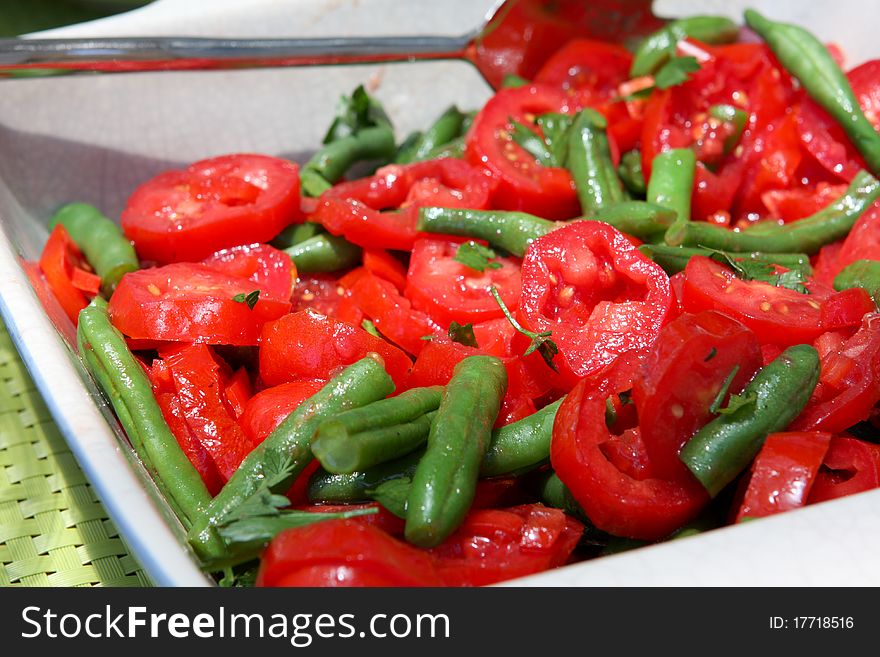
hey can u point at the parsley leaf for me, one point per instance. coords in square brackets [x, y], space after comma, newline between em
[370, 328]
[712, 353]
[675, 71]
[476, 256]
[715, 406]
[355, 113]
[393, 495]
[758, 269]
[250, 298]
[540, 342]
[463, 334]
[737, 402]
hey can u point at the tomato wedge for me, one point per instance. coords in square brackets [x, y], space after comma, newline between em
[343, 553]
[448, 291]
[597, 294]
[306, 345]
[850, 466]
[783, 473]
[523, 184]
[270, 407]
[497, 544]
[211, 205]
[594, 67]
[685, 371]
[361, 225]
[63, 265]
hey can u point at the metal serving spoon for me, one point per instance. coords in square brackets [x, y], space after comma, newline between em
[516, 34]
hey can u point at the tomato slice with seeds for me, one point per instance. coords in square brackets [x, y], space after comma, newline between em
[597, 294]
[523, 184]
[594, 67]
[187, 215]
[449, 291]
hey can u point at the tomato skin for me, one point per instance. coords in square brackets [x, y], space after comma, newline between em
[826, 142]
[846, 308]
[849, 382]
[362, 225]
[343, 552]
[270, 269]
[61, 263]
[306, 345]
[691, 359]
[783, 473]
[597, 293]
[776, 315]
[596, 67]
[498, 544]
[187, 215]
[523, 184]
[863, 79]
[190, 302]
[449, 291]
[270, 407]
[862, 242]
[850, 466]
[647, 509]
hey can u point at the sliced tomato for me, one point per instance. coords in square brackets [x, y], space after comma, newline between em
[497, 544]
[615, 501]
[270, 407]
[200, 380]
[846, 308]
[783, 473]
[594, 67]
[271, 270]
[597, 294]
[382, 518]
[191, 302]
[865, 82]
[449, 291]
[319, 292]
[213, 204]
[690, 362]
[392, 313]
[776, 315]
[384, 265]
[826, 142]
[850, 466]
[62, 264]
[862, 242]
[366, 227]
[343, 553]
[523, 184]
[849, 382]
[799, 202]
[239, 391]
[306, 345]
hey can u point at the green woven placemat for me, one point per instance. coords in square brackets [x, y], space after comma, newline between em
[53, 529]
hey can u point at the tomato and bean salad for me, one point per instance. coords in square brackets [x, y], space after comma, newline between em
[630, 299]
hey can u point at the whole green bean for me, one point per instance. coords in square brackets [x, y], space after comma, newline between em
[453, 148]
[631, 174]
[130, 393]
[589, 161]
[862, 273]
[445, 480]
[407, 147]
[296, 233]
[357, 385]
[674, 259]
[638, 218]
[522, 445]
[108, 251]
[556, 494]
[511, 231]
[672, 181]
[405, 407]
[655, 50]
[331, 162]
[803, 236]
[807, 59]
[324, 253]
[345, 488]
[442, 131]
[348, 453]
[724, 447]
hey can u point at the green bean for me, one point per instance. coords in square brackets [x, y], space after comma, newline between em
[512, 80]
[803, 236]
[346, 488]
[637, 218]
[443, 130]
[130, 393]
[672, 181]
[734, 116]
[655, 50]
[453, 148]
[556, 494]
[407, 147]
[511, 231]
[862, 273]
[807, 59]
[723, 448]
[105, 247]
[357, 385]
[296, 233]
[522, 445]
[589, 160]
[674, 259]
[631, 174]
[324, 253]
[445, 480]
[331, 162]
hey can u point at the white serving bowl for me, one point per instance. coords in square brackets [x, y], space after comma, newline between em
[95, 138]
